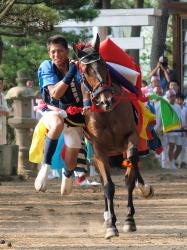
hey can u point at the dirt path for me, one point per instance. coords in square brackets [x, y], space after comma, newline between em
[31, 220]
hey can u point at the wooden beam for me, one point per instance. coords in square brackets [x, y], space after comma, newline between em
[176, 7]
[176, 49]
[131, 12]
[117, 17]
[114, 21]
[129, 42]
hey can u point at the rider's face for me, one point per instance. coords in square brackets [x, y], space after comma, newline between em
[58, 54]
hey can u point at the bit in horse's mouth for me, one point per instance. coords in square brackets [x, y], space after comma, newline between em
[108, 108]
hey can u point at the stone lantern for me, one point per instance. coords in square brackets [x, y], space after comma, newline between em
[22, 122]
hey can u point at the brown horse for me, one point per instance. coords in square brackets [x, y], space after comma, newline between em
[112, 130]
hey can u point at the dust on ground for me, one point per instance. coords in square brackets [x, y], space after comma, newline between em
[31, 220]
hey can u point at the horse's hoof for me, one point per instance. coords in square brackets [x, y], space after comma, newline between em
[130, 225]
[111, 232]
[146, 190]
[151, 193]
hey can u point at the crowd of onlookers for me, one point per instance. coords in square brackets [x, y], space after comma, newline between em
[163, 83]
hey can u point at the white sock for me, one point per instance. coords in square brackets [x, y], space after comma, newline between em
[172, 164]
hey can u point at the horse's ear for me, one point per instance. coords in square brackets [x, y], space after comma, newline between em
[96, 43]
[75, 49]
[78, 52]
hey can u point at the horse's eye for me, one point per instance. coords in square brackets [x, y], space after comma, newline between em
[89, 70]
[96, 99]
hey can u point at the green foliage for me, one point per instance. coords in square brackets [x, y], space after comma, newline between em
[122, 4]
[33, 22]
[27, 53]
[21, 54]
[131, 4]
[79, 14]
[28, 18]
[33, 17]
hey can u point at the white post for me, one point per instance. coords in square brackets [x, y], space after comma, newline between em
[102, 31]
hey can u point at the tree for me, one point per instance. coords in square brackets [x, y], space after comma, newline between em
[22, 17]
[102, 4]
[159, 34]
[27, 53]
[32, 21]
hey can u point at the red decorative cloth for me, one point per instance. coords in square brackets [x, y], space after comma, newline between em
[112, 53]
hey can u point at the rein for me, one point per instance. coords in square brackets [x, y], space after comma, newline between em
[94, 57]
[99, 88]
[73, 110]
[102, 85]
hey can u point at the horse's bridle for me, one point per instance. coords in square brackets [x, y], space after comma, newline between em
[102, 85]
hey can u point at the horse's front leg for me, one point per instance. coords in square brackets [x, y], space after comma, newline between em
[102, 163]
[131, 177]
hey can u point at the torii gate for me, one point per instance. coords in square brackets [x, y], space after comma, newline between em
[118, 18]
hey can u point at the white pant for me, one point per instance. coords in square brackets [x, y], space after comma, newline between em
[72, 135]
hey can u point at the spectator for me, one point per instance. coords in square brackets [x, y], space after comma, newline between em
[174, 137]
[4, 111]
[149, 89]
[180, 102]
[144, 83]
[159, 129]
[158, 90]
[175, 86]
[163, 72]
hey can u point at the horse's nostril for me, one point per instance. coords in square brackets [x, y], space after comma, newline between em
[105, 104]
[108, 103]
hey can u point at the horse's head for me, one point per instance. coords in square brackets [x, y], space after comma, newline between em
[95, 74]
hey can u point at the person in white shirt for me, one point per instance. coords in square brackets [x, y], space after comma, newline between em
[159, 129]
[175, 86]
[4, 111]
[149, 89]
[174, 137]
[180, 102]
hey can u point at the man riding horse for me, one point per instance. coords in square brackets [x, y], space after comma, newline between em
[109, 122]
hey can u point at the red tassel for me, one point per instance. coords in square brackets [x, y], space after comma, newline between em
[127, 164]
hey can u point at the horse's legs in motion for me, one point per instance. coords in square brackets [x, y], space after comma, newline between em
[109, 190]
[130, 225]
[132, 177]
[146, 190]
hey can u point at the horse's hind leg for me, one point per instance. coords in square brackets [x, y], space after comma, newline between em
[109, 190]
[146, 189]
